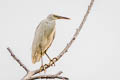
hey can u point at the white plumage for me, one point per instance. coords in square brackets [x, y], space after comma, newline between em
[44, 36]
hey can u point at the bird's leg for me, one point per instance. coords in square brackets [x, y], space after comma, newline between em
[42, 66]
[51, 61]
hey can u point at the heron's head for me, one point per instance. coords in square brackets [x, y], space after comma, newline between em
[55, 17]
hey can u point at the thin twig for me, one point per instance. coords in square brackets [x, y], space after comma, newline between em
[48, 77]
[59, 73]
[14, 57]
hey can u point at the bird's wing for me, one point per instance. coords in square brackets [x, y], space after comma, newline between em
[51, 40]
[38, 41]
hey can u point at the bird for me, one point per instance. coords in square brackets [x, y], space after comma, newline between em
[44, 36]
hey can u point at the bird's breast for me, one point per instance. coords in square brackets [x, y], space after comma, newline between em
[49, 28]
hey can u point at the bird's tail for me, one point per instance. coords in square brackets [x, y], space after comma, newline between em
[36, 56]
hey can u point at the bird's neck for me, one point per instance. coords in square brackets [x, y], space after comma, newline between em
[50, 19]
[51, 22]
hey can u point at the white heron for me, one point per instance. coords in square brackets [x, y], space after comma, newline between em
[44, 36]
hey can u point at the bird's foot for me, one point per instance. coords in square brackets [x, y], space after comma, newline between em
[52, 61]
[43, 68]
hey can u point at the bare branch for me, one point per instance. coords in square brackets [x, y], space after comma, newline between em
[19, 62]
[49, 77]
[77, 31]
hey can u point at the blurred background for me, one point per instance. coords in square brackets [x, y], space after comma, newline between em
[95, 55]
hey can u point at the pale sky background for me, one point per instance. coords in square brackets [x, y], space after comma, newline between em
[95, 55]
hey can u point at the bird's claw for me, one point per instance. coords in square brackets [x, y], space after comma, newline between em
[43, 68]
[55, 59]
[52, 61]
